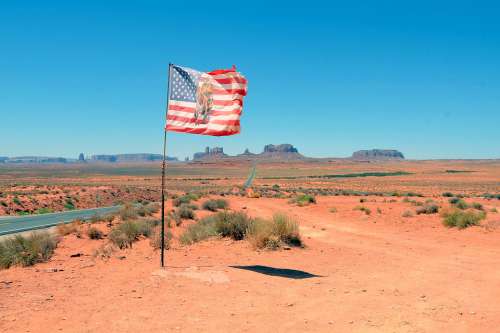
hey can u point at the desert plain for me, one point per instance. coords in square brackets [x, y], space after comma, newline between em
[369, 260]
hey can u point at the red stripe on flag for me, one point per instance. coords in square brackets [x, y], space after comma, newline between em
[230, 91]
[231, 79]
[202, 131]
[231, 122]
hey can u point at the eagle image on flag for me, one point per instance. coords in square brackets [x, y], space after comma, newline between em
[205, 103]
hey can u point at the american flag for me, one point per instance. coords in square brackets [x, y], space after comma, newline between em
[205, 103]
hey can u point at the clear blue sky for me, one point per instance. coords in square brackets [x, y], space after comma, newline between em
[330, 77]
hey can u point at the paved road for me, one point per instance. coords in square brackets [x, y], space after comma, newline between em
[14, 224]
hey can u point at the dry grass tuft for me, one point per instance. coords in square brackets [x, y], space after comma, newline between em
[27, 251]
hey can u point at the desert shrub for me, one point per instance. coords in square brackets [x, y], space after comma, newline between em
[69, 205]
[303, 200]
[128, 232]
[3, 203]
[185, 199]
[175, 217]
[494, 210]
[379, 211]
[286, 229]
[16, 201]
[259, 234]
[118, 238]
[127, 212]
[27, 251]
[477, 205]
[185, 212]
[64, 229]
[364, 209]
[462, 219]
[459, 203]
[231, 224]
[94, 233]
[152, 208]
[155, 239]
[214, 204]
[448, 194]
[43, 210]
[199, 231]
[362, 200]
[272, 234]
[333, 210]
[428, 208]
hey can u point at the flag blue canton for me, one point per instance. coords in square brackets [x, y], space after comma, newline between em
[183, 84]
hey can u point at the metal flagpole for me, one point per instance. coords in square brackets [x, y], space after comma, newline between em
[163, 167]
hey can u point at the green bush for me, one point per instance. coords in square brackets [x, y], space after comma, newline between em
[185, 212]
[303, 200]
[214, 204]
[231, 224]
[69, 205]
[477, 205]
[272, 234]
[127, 212]
[199, 231]
[185, 199]
[94, 233]
[286, 229]
[459, 203]
[27, 251]
[155, 239]
[128, 232]
[462, 219]
[428, 208]
[43, 210]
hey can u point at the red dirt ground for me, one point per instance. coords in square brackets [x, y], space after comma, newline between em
[375, 273]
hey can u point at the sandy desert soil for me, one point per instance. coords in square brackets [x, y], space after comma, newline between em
[358, 273]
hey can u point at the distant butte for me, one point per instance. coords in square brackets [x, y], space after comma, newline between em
[378, 154]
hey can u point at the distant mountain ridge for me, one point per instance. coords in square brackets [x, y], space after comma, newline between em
[139, 157]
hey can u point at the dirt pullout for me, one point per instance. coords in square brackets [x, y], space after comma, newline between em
[358, 273]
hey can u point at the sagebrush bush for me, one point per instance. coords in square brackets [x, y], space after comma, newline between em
[27, 251]
[428, 208]
[459, 203]
[155, 238]
[477, 205]
[303, 200]
[94, 233]
[125, 234]
[286, 229]
[281, 229]
[185, 212]
[231, 224]
[128, 212]
[199, 231]
[462, 219]
[214, 204]
[185, 199]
